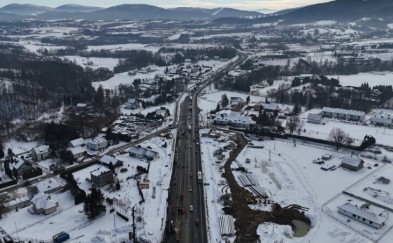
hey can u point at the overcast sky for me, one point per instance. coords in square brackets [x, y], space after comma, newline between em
[241, 4]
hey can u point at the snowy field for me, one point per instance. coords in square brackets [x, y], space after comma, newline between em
[381, 134]
[123, 47]
[373, 79]
[94, 62]
[289, 177]
[109, 227]
[125, 78]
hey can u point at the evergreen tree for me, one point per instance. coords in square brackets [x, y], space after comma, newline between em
[248, 99]
[224, 101]
[94, 204]
[1, 151]
[99, 97]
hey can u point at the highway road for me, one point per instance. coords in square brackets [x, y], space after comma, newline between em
[184, 225]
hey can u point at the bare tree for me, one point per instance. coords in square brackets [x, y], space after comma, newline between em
[293, 124]
[339, 138]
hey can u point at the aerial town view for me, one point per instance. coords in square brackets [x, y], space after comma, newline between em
[196, 121]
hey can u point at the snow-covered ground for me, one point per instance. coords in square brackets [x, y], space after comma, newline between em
[289, 177]
[381, 134]
[122, 47]
[94, 62]
[373, 79]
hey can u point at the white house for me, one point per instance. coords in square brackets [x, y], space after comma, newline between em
[97, 143]
[142, 153]
[314, 118]
[40, 153]
[233, 119]
[382, 120]
[43, 204]
[352, 163]
[361, 214]
[342, 114]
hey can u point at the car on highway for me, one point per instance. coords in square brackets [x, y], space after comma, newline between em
[191, 208]
[190, 189]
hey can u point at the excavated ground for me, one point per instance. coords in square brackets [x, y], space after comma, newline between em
[247, 219]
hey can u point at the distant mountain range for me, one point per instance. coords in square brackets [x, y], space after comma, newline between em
[338, 10]
[124, 12]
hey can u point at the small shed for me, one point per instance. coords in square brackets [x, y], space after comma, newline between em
[314, 118]
[352, 163]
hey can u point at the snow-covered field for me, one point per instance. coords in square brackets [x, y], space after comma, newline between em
[289, 177]
[122, 47]
[94, 62]
[373, 79]
[381, 134]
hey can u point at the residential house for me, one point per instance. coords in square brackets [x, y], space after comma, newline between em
[161, 112]
[382, 120]
[314, 118]
[49, 185]
[352, 163]
[342, 114]
[142, 153]
[77, 152]
[40, 153]
[20, 166]
[107, 160]
[257, 88]
[234, 119]
[43, 204]
[81, 106]
[77, 142]
[271, 107]
[132, 104]
[97, 143]
[101, 176]
[235, 101]
[362, 214]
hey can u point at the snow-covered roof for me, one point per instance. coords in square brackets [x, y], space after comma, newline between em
[106, 159]
[131, 101]
[137, 150]
[18, 163]
[363, 213]
[48, 184]
[43, 201]
[271, 106]
[233, 117]
[382, 118]
[41, 149]
[353, 161]
[76, 150]
[97, 140]
[99, 171]
[343, 111]
[77, 142]
[149, 153]
[314, 117]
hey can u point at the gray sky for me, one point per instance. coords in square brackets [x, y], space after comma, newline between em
[240, 4]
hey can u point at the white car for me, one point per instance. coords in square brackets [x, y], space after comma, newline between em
[191, 208]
